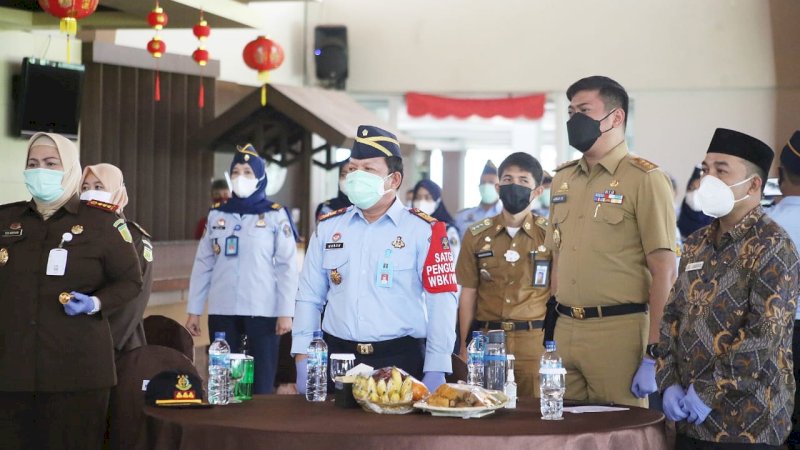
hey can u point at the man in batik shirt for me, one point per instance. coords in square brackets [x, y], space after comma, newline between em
[725, 358]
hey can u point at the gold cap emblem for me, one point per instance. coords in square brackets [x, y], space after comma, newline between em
[77, 229]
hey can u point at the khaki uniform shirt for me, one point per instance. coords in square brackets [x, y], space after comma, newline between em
[505, 290]
[42, 349]
[603, 222]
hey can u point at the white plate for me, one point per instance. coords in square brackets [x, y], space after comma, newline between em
[464, 413]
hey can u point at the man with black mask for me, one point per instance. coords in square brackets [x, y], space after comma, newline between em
[504, 271]
[612, 233]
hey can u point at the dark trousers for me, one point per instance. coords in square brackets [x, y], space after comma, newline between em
[53, 420]
[409, 356]
[262, 343]
[793, 442]
[683, 442]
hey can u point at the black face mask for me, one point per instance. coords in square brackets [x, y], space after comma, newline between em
[583, 131]
[515, 197]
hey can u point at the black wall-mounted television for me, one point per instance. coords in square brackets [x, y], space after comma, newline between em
[49, 97]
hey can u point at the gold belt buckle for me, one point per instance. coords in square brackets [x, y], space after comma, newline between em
[578, 312]
[507, 326]
[364, 349]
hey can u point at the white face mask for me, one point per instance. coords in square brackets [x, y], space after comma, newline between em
[244, 187]
[100, 196]
[342, 184]
[426, 206]
[716, 198]
[691, 201]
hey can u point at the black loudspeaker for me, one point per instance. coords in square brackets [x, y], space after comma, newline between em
[330, 55]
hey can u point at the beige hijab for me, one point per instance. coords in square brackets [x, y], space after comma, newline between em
[70, 160]
[111, 177]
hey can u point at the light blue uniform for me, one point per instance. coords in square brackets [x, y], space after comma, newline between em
[260, 281]
[348, 249]
[468, 216]
[787, 214]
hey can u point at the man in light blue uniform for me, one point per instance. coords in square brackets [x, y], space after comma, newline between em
[246, 268]
[490, 205]
[366, 268]
[787, 214]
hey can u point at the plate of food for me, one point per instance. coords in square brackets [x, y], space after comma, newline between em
[388, 391]
[462, 400]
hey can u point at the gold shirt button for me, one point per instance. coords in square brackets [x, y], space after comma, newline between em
[508, 300]
[514, 245]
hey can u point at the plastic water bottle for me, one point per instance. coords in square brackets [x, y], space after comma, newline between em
[552, 383]
[219, 370]
[495, 360]
[317, 369]
[475, 351]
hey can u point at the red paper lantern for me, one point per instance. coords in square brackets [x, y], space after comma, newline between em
[157, 18]
[200, 56]
[156, 47]
[263, 55]
[69, 11]
[201, 30]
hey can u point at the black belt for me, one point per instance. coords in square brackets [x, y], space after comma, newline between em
[513, 325]
[591, 312]
[391, 346]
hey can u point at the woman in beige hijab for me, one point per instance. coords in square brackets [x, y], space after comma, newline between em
[61, 262]
[104, 183]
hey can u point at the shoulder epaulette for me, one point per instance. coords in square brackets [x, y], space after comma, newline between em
[478, 227]
[424, 216]
[140, 228]
[338, 212]
[20, 203]
[643, 164]
[542, 223]
[276, 206]
[107, 207]
[567, 164]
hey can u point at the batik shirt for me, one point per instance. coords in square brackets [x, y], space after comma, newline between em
[727, 329]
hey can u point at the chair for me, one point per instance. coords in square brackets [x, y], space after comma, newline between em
[126, 417]
[161, 330]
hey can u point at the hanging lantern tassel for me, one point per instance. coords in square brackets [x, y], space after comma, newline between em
[263, 77]
[69, 26]
[157, 92]
[201, 101]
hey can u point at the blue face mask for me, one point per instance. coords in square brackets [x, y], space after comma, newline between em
[364, 189]
[44, 184]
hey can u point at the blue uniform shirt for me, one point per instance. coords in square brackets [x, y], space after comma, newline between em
[468, 216]
[787, 214]
[341, 275]
[260, 281]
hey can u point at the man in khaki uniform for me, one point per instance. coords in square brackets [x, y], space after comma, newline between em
[612, 232]
[503, 269]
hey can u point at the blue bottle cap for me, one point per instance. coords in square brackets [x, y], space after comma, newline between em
[477, 333]
[318, 334]
[219, 336]
[550, 345]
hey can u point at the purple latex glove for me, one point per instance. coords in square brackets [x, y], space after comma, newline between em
[433, 380]
[693, 406]
[644, 381]
[672, 403]
[79, 304]
[302, 375]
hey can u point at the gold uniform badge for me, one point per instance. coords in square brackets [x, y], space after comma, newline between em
[3, 256]
[336, 277]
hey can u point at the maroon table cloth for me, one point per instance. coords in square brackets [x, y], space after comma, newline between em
[290, 422]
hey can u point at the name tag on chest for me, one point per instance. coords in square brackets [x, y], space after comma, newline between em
[694, 266]
[57, 262]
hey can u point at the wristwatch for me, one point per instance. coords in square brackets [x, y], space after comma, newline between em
[652, 351]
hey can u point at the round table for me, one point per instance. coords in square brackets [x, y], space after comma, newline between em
[270, 422]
